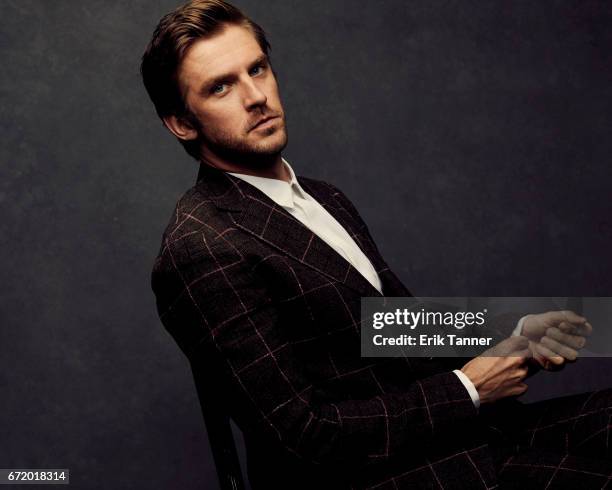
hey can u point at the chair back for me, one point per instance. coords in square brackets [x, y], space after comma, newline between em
[220, 434]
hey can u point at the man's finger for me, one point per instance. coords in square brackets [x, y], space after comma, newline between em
[546, 355]
[571, 317]
[584, 329]
[572, 341]
[558, 348]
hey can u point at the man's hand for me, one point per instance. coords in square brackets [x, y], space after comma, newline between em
[555, 337]
[499, 372]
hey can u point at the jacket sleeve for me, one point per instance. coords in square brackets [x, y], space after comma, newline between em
[213, 304]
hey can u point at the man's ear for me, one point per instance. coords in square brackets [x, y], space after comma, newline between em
[180, 127]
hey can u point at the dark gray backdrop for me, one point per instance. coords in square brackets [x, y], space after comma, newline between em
[474, 137]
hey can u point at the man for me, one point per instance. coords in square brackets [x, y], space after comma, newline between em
[259, 279]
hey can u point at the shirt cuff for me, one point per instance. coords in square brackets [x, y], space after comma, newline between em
[519, 327]
[469, 386]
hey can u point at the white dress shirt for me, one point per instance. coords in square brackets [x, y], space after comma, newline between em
[313, 215]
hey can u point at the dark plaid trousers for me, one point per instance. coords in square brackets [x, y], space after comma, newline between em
[558, 443]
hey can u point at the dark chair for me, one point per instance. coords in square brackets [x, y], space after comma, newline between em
[219, 431]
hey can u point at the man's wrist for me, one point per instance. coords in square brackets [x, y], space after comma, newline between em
[519, 327]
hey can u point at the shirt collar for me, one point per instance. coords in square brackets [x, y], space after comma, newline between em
[278, 190]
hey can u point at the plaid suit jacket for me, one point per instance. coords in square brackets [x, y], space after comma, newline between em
[271, 313]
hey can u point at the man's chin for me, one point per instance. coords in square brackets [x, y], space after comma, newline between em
[271, 146]
[262, 149]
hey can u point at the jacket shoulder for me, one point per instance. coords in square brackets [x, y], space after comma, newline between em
[194, 215]
[194, 211]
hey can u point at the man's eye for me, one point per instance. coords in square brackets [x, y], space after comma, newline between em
[217, 89]
[257, 70]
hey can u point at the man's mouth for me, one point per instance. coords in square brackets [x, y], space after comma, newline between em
[263, 121]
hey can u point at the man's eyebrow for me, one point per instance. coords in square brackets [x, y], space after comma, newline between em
[208, 84]
[263, 59]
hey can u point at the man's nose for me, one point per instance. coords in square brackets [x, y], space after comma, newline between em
[253, 95]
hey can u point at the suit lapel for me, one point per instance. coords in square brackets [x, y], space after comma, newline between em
[334, 207]
[257, 214]
[391, 284]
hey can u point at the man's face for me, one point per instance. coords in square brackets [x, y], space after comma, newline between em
[229, 87]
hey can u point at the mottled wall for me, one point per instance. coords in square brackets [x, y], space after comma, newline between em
[474, 137]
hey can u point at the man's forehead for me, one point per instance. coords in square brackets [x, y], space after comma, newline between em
[225, 52]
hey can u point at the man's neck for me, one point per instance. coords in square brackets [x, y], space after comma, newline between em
[271, 167]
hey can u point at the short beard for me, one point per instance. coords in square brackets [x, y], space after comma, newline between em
[233, 150]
